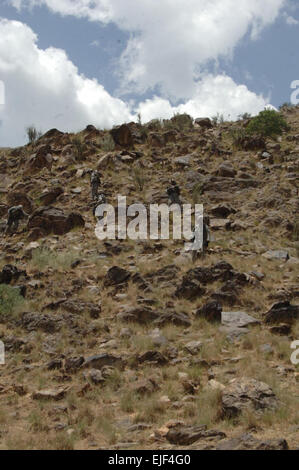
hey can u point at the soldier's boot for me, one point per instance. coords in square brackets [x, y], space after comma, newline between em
[94, 192]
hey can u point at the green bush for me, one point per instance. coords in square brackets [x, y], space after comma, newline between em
[107, 144]
[268, 123]
[182, 121]
[80, 147]
[10, 301]
[43, 258]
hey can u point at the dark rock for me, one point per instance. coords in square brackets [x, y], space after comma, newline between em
[39, 160]
[11, 273]
[140, 315]
[189, 289]
[46, 220]
[226, 170]
[222, 211]
[248, 442]
[101, 360]
[205, 123]
[122, 136]
[187, 435]
[47, 198]
[117, 275]
[18, 198]
[211, 311]
[54, 364]
[178, 319]
[73, 363]
[283, 329]
[282, 312]
[152, 356]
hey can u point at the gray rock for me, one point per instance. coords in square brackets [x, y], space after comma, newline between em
[193, 347]
[187, 435]
[238, 319]
[277, 254]
[246, 393]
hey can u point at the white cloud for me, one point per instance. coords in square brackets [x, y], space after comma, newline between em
[213, 95]
[43, 87]
[172, 40]
[290, 20]
[171, 44]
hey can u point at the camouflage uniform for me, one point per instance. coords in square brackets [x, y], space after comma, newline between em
[95, 182]
[174, 193]
[206, 238]
[15, 214]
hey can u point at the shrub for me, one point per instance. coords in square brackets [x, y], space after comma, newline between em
[218, 119]
[238, 135]
[244, 116]
[268, 123]
[138, 177]
[80, 147]
[10, 301]
[44, 257]
[107, 144]
[182, 121]
[33, 134]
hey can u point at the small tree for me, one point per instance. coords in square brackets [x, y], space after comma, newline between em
[269, 123]
[33, 134]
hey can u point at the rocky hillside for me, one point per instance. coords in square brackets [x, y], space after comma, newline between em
[131, 345]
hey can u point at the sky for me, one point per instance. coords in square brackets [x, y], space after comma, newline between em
[69, 63]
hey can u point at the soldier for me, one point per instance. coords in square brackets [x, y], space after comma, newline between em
[174, 193]
[95, 183]
[15, 214]
[206, 238]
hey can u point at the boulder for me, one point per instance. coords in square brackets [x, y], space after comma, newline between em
[204, 123]
[249, 442]
[211, 311]
[153, 357]
[50, 195]
[117, 275]
[226, 170]
[100, 360]
[50, 394]
[247, 393]
[52, 220]
[187, 435]
[141, 315]
[39, 160]
[18, 198]
[122, 136]
[238, 319]
[282, 312]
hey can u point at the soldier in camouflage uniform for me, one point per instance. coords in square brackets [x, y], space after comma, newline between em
[206, 238]
[173, 193]
[15, 214]
[95, 182]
